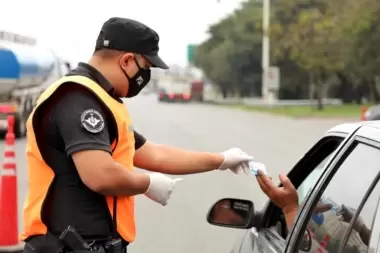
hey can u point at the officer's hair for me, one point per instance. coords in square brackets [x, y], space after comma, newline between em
[106, 53]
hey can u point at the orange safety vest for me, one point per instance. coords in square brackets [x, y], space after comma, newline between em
[40, 175]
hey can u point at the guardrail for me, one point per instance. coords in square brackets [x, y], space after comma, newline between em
[254, 101]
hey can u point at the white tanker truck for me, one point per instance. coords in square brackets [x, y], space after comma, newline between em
[26, 70]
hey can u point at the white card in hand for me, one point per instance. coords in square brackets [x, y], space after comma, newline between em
[255, 166]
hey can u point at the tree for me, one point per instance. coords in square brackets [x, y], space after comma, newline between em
[231, 56]
[324, 48]
[314, 40]
[363, 26]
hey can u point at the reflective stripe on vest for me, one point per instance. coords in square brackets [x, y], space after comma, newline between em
[40, 175]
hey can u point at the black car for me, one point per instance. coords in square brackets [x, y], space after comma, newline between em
[341, 169]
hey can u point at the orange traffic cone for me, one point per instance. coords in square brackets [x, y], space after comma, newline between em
[8, 192]
[362, 114]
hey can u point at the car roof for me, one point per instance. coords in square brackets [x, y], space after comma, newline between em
[348, 128]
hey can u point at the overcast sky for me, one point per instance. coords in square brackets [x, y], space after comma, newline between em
[71, 27]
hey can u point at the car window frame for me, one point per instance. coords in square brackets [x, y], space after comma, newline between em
[358, 136]
[272, 236]
[264, 228]
[269, 239]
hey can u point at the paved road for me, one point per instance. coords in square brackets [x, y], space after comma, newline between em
[181, 226]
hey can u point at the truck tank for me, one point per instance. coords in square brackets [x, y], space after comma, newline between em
[26, 70]
[23, 66]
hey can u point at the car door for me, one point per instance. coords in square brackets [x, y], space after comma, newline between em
[268, 236]
[374, 244]
[351, 185]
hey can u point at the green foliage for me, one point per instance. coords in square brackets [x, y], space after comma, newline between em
[231, 57]
[313, 42]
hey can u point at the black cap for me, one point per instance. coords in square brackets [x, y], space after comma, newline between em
[131, 36]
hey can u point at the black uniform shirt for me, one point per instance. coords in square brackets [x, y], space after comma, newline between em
[60, 133]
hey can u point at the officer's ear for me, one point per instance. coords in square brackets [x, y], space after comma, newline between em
[124, 59]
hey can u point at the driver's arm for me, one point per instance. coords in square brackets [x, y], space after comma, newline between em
[359, 226]
[285, 196]
[290, 216]
[365, 234]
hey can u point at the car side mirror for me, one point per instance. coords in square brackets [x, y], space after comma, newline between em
[230, 212]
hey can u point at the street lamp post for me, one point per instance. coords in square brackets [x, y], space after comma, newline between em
[265, 47]
[265, 61]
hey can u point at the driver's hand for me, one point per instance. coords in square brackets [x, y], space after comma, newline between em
[285, 197]
[236, 160]
[321, 208]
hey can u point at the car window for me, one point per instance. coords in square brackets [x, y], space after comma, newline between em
[374, 242]
[311, 179]
[329, 223]
[360, 235]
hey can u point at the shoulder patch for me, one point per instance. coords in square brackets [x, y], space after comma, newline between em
[92, 121]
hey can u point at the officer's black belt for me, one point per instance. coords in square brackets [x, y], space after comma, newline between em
[43, 243]
[50, 243]
[71, 242]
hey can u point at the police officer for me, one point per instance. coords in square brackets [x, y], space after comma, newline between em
[81, 148]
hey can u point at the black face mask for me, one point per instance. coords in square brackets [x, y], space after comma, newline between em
[138, 82]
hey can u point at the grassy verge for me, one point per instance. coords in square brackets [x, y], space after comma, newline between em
[343, 111]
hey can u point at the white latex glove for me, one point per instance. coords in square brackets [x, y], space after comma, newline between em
[161, 187]
[236, 160]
